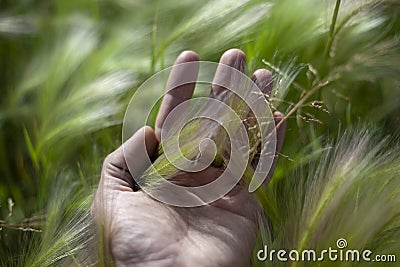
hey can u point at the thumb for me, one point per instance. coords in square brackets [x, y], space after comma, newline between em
[130, 160]
[119, 168]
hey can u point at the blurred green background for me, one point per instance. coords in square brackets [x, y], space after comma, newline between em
[68, 69]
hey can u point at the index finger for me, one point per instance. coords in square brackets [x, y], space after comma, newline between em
[180, 86]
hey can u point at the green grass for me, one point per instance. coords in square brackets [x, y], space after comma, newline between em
[69, 68]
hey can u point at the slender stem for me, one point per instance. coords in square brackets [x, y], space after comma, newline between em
[302, 101]
[154, 41]
[17, 226]
[332, 29]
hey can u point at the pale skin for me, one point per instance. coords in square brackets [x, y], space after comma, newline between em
[144, 232]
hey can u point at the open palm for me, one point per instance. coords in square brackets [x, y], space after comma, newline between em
[141, 231]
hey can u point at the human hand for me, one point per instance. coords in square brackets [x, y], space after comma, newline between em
[140, 231]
